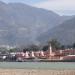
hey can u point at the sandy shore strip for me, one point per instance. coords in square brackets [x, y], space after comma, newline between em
[35, 72]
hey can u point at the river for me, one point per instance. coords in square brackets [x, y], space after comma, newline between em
[37, 65]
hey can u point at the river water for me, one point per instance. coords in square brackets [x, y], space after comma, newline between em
[37, 65]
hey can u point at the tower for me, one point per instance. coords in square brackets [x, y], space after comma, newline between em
[50, 49]
[32, 54]
[27, 54]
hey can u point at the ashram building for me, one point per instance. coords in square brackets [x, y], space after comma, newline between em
[49, 54]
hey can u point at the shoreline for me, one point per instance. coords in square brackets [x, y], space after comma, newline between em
[36, 72]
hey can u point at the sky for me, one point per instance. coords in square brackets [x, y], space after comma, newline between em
[62, 7]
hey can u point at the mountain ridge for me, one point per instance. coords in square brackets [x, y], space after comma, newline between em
[22, 24]
[64, 33]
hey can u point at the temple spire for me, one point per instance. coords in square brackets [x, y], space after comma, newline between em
[50, 49]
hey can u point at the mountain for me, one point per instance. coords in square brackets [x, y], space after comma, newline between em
[21, 24]
[65, 33]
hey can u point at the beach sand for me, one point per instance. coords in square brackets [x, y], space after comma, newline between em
[35, 72]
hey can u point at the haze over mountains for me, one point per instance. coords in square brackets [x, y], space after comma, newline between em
[65, 33]
[21, 24]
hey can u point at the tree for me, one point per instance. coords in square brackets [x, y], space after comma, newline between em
[3, 50]
[63, 47]
[69, 46]
[55, 44]
[73, 45]
[45, 48]
[25, 49]
[34, 48]
[31, 48]
[14, 50]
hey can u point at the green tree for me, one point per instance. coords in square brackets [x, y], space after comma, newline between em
[73, 45]
[62, 47]
[25, 49]
[31, 48]
[45, 48]
[34, 48]
[3, 50]
[55, 44]
[13, 50]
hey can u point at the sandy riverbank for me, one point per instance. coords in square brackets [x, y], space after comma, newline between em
[35, 72]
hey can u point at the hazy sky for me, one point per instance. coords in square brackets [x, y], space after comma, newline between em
[24, 1]
[63, 7]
